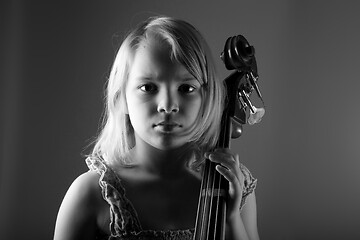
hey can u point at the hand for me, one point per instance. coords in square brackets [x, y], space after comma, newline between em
[229, 167]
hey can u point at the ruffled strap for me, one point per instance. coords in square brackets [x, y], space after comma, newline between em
[122, 213]
[158, 235]
[249, 184]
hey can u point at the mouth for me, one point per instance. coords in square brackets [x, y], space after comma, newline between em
[166, 126]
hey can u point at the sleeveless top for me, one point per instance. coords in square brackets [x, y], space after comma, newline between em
[124, 222]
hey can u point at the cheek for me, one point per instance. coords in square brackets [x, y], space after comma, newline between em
[130, 110]
[194, 107]
[139, 108]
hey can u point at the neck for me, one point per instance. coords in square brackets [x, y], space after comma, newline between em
[161, 163]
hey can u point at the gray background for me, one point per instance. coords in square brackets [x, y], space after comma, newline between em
[56, 55]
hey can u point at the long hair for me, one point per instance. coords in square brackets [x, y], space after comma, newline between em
[187, 47]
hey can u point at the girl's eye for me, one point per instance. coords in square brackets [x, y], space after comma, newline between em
[186, 88]
[148, 87]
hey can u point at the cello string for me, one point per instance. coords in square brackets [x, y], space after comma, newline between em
[200, 210]
[210, 193]
[204, 199]
[215, 199]
[217, 204]
[207, 200]
[219, 197]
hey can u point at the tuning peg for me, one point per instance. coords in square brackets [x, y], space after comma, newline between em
[236, 129]
[256, 114]
[253, 79]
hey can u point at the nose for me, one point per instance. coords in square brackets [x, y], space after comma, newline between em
[167, 103]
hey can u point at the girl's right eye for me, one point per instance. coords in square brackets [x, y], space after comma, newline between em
[148, 87]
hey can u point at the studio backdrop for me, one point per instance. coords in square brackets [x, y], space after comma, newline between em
[55, 60]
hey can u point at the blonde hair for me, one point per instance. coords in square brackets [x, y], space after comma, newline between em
[187, 47]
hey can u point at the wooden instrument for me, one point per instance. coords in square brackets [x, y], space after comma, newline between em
[238, 55]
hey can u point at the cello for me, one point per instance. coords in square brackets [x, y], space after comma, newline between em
[238, 55]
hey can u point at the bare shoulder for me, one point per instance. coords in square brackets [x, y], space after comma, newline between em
[87, 184]
[84, 189]
[79, 209]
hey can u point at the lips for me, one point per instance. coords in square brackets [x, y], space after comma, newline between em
[167, 126]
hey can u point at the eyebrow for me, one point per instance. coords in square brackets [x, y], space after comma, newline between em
[188, 78]
[140, 77]
[150, 77]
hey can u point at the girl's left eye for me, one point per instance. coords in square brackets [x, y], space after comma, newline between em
[186, 88]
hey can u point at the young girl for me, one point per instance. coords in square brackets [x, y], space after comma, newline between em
[164, 106]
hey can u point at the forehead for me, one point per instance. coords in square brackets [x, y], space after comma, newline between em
[155, 58]
[155, 48]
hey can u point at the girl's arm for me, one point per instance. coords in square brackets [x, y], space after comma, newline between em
[78, 212]
[244, 224]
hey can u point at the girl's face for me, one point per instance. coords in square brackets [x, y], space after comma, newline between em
[163, 98]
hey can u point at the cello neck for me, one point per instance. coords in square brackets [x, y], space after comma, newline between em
[211, 214]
